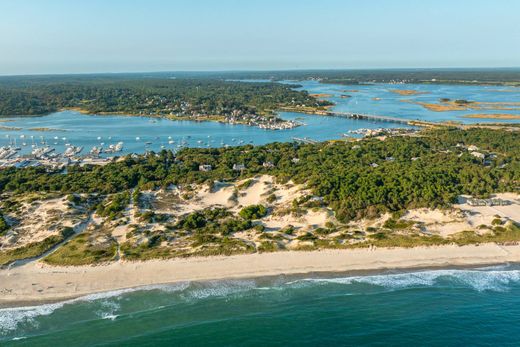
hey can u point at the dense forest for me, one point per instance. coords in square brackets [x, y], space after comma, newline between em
[356, 179]
[145, 95]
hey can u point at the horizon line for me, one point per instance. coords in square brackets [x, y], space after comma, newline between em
[261, 70]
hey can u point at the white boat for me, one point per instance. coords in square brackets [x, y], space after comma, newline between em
[40, 152]
[96, 150]
[72, 150]
[115, 148]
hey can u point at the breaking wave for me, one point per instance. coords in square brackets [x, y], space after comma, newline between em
[107, 305]
[488, 279]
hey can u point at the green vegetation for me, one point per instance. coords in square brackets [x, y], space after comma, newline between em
[397, 224]
[428, 170]
[30, 250]
[339, 172]
[353, 77]
[115, 206]
[136, 94]
[3, 225]
[35, 249]
[253, 212]
[82, 250]
[509, 234]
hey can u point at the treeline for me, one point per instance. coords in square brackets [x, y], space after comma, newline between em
[361, 179]
[352, 77]
[145, 95]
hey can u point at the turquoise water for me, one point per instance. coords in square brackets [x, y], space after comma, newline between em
[83, 130]
[89, 131]
[476, 307]
[434, 307]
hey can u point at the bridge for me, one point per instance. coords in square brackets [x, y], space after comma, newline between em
[369, 117]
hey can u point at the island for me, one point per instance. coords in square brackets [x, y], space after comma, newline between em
[188, 98]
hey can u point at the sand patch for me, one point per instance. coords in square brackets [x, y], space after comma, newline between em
[492, 116]
[38, 220]
[406, 92]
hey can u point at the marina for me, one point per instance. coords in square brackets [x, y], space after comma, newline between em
[91, 138]
[69, 137]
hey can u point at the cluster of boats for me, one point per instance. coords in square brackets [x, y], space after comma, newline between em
[41, 150]
[22, 151]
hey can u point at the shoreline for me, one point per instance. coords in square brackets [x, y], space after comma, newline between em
[36, 283]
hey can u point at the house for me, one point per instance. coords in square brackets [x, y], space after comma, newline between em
[205, 167]
[488, 202]
[478, 155]
[268, 164]
[472, 148]
[239, 167]
[374, 165]
[295, 160]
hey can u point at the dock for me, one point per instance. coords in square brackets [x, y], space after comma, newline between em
[305, 140]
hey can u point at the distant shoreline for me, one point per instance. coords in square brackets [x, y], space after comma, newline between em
[36, 283]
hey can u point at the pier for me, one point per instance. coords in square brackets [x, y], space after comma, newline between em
[305, 140]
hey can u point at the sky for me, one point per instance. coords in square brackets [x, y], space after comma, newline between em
[83, 36]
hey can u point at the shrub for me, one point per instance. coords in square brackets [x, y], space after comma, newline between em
[3, 225]
[271, 198]
[67, 232]
[193, 221]
[496, 221]
[253, 212]
[288, 230]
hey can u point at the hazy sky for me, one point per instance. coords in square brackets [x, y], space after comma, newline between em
[62, 36]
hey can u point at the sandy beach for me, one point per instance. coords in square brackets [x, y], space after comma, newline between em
[36, 282]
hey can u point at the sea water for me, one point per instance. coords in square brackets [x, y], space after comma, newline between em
[140, 134]
[451, 307]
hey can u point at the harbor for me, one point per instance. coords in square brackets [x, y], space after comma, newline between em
[69, 137]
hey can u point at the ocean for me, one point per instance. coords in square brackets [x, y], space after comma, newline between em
[450, 307]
